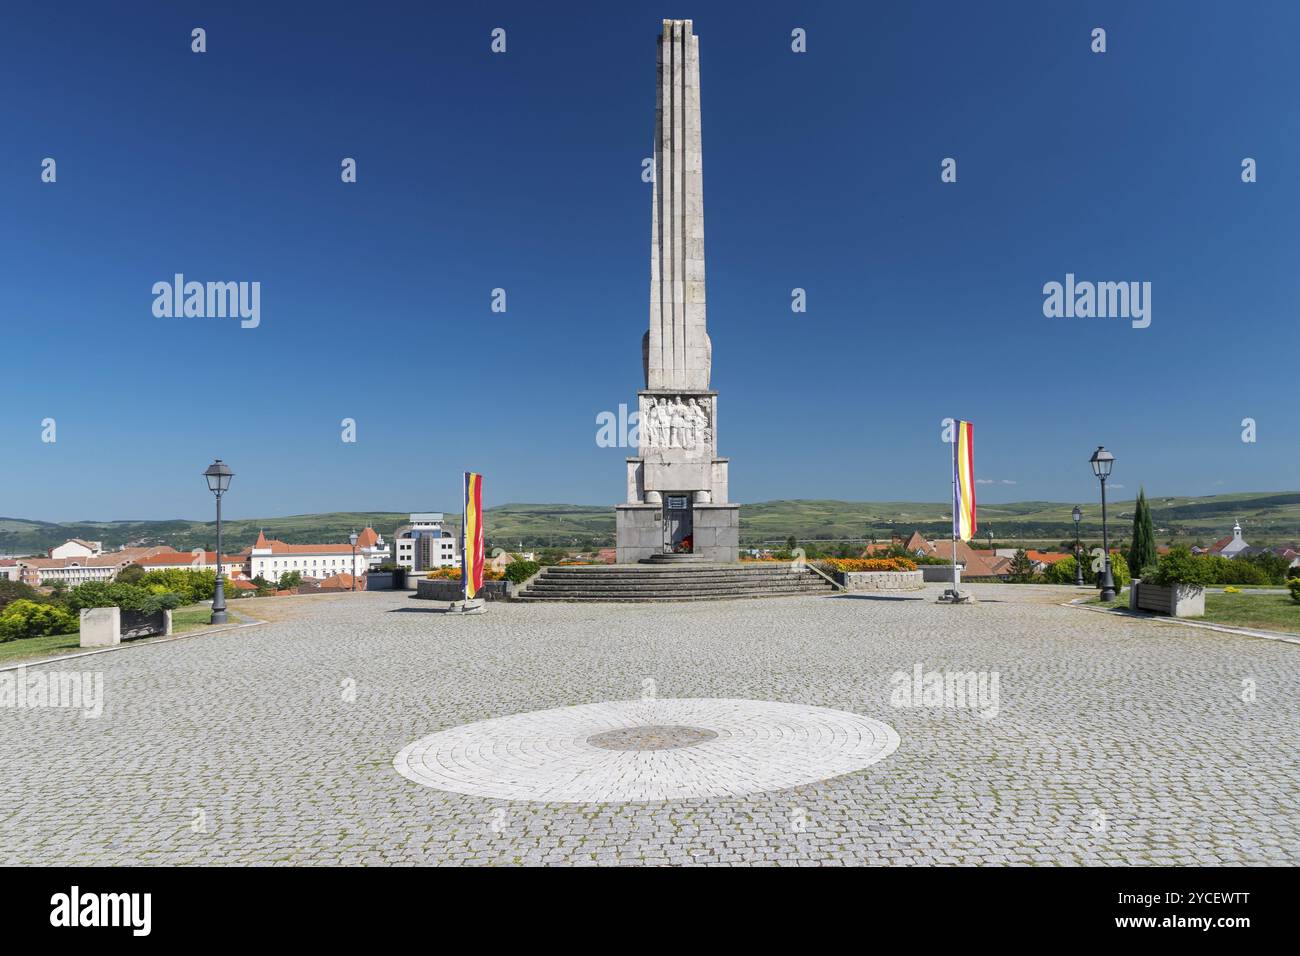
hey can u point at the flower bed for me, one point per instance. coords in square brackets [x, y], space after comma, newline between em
[874, 574]
[845, 565]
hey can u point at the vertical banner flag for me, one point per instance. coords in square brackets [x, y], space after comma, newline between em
[963, 482]
[471, 552]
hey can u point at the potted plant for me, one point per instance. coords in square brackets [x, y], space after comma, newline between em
[1175, 586]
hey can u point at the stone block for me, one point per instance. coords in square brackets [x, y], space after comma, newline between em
[101, 626]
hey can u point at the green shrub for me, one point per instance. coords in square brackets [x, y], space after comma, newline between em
[128, 597]
[1294, 585]
[24, 618]
[1180, 566]
[191, 585]
[1119, 570]
[1273, 567]
[1238, 571]
[1061, 572]
[11, 591]
[521, 571]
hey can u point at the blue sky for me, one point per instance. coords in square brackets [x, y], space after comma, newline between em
[522, 171]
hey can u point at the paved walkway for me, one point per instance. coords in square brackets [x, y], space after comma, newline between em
[1114, 740]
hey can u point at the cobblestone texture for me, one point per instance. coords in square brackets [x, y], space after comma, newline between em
[1116, 741]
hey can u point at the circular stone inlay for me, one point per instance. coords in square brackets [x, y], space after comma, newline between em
[653, 737]
[647, 750]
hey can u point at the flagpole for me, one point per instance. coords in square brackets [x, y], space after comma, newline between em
[464, 536]
[955, 442]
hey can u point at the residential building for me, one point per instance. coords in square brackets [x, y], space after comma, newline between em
[9, 570]
[74, 570]
[976, 563]
[77, 548]
[424, 545]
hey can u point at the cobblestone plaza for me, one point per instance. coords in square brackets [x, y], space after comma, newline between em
[1114, 740]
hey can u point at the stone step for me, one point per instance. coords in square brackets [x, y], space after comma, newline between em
[637, 597]
[655, 592]
[657, 572]
[668, 583]
[677, 582]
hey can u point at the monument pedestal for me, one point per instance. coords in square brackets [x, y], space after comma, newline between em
[639, 532]
[717, 532]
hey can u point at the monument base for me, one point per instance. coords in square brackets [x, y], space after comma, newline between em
[639, 532]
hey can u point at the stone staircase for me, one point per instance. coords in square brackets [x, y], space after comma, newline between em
[673, 580]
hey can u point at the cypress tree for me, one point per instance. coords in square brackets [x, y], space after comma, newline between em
[1142, 552]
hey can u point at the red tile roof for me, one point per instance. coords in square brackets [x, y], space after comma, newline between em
[1047, 557]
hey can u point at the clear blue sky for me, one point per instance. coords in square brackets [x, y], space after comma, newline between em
[522, 171]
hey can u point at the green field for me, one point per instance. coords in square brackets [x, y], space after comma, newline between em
[1267, 517]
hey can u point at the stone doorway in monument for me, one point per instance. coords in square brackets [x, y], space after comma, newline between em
[679, 533]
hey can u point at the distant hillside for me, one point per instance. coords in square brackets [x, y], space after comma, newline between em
[1267, 517]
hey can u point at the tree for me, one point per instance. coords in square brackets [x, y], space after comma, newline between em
[1142, 553]
[790, 543]
[290, 580]
[1022, 569]
[131, 574]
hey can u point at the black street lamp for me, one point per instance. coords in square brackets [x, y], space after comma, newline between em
[1077, 515]
[353, 539]
[218, 476]
[990, 534]
[1102, 462]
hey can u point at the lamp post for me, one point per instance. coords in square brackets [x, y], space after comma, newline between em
[1102, 462]
[1077, 515]
[990, 534]
[218, 476]
[352, 538]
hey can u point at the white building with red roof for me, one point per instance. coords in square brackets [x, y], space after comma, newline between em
[270, 558]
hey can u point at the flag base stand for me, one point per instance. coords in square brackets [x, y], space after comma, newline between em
[950, 596]
[473, 606]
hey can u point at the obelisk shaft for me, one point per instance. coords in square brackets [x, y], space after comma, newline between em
[678, 352]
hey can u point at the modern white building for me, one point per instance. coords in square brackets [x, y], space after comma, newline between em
[424, 545]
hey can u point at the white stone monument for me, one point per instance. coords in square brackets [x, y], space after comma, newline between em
[677, 484]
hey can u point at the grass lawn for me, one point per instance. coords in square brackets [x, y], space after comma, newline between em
[38, 646]
[1269, 612]
[183, 619]
[1266, 612]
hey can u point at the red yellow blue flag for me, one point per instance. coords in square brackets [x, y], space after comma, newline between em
[471, 552]
[963, 482]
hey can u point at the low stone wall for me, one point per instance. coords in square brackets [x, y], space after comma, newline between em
[882, 580]
[935, 573]
[106, 626]
[445, 589]
[1180, 601]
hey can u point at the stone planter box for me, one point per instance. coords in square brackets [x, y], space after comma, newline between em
[882, 580]
[106, 626]
[445, 589]
[1183, 600]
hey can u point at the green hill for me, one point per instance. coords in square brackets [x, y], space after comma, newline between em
[1267, 517]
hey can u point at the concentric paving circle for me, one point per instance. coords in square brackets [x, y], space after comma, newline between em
[641, 751]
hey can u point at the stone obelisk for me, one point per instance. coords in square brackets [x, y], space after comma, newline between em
[677, 484]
